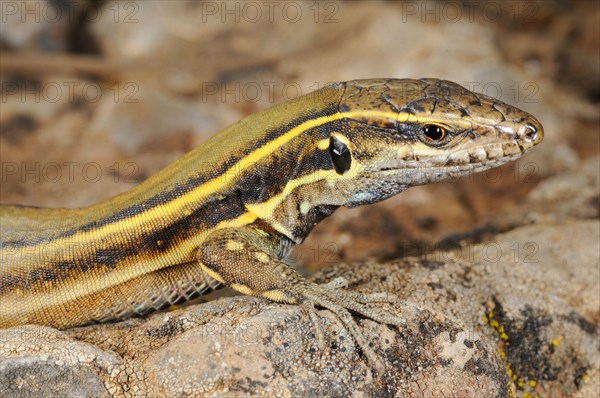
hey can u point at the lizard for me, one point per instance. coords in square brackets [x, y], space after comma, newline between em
[228, 212]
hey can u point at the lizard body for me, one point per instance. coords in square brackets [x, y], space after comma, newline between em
[228, 212]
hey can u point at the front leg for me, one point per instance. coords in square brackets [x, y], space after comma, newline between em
[249, 260]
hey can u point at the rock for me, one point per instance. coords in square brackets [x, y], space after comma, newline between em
[37, 361]
[521, 310]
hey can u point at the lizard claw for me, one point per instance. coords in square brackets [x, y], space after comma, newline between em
[341, 302]
[319, 330]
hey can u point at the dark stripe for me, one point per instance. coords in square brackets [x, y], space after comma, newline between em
[268, 178]
[141, 247]
[207, 216]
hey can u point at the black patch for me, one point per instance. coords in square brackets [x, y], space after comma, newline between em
[8, 282]
[192, 183]
[311, 219]
[66, 266]
[252, 187]
[340, 155]
[528, 353]
[269, 177]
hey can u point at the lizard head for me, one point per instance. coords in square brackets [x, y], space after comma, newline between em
[395, 134]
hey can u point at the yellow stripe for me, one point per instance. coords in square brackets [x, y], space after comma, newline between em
[75, 288]
[265, 209]
[375, 114]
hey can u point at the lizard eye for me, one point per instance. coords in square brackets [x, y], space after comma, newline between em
[434, 133]
[340, 154]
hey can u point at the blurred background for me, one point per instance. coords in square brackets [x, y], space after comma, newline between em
[99, 95]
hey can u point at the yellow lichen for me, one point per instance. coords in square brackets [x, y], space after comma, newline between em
[556, 342]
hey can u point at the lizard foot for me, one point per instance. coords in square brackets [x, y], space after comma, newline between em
[341, 302]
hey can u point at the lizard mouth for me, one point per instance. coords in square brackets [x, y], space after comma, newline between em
[415, 173]
[486, 155]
